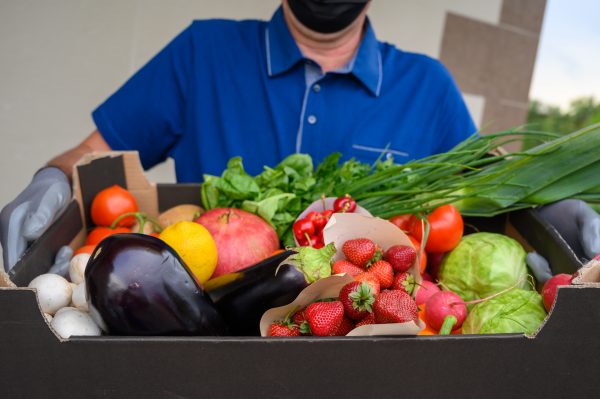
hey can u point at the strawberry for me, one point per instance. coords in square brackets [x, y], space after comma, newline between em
[404, 281]
[401, 257]
[344, 266]
[384, 273]
[395, 306]
[345, 327]
[359, 251]
[324, 318]
[370, 319]
[299, 319]
[370, 279]
[357, 298]
[283, 330]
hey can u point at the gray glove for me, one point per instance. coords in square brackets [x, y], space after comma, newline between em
[577, 222]
[32, 212]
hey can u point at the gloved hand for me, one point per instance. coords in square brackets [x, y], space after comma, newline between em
[577, 222]
[32, 212]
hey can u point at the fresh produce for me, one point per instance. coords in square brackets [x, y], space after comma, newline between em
[357, 299]
[370, 279]
[85, 249]
[481, 182]
[179, 213]
[69, 322]
[384, 273]
[283, 329]
[515, 311]
[280, 194]
[404, 222]
[550, 287]
[78, 299]
[77, 268]
[111, 203]
[344, 203]
[324, 318]
[138, 285]
[445, 229]
[404, 281]
[360, 251]
[99, 233]
[445, 311]
[242, 297]
[242, 238]
[53, 292]
[401, 257]
[483, 264]
[308, 230]
[195, 245]
[425, 291]
[395, 306]
[345, 266]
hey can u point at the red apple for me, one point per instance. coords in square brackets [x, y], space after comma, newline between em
[242, 238]
[549, 290]
[425, 291]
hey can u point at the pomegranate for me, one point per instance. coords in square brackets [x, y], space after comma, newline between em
[242, 238]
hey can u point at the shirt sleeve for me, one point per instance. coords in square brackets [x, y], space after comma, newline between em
[455, 122]
[147, 113]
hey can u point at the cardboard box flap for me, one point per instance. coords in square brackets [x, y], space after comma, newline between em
[97, 171]
[588, 274]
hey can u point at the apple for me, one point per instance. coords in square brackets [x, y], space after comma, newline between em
[242, 238]
[549, 290]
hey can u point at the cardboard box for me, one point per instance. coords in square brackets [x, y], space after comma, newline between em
[560, 361]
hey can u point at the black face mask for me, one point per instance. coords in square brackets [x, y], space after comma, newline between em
[327, 16]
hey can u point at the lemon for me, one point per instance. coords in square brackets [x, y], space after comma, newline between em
[194, 244]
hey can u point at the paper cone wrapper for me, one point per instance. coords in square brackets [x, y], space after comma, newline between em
[343, 227]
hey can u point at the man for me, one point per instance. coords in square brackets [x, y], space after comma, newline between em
[313, 79]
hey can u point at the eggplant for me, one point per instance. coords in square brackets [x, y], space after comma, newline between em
[137, 285]
[242, 297]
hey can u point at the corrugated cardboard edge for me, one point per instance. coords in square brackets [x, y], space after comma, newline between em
[143, 190]
[41, 312]
[586, 277]
[5, 281]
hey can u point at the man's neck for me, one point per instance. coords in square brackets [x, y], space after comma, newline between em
[332, 50]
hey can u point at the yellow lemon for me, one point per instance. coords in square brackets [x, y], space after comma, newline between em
[194, 244]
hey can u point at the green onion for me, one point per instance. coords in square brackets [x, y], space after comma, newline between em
[482, 182]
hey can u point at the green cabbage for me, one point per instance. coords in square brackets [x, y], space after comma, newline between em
[483, 264]
[515, 311]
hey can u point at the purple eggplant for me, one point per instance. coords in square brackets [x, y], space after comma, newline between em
[138, 285]
[242, 297]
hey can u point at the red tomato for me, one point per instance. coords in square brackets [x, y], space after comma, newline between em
[100, 233]
[404, 222]
[111, 203]
[446, 229]
[423, 255]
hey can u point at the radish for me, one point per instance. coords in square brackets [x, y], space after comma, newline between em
[549, 290]
[445, 311]
[425, 291]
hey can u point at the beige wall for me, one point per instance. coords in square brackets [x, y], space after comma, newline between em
[59, 59]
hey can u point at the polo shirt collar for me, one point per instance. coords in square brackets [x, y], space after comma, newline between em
[283, 53]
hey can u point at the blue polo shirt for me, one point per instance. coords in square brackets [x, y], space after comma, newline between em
[225, 88]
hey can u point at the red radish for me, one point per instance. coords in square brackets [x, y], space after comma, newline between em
[242, 238]
[445, 311]
[549, 290]
[426, 291]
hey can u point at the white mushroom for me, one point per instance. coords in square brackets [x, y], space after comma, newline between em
[53, 291]
[77, 268]
[78, 300]
[48, 317]
[71, 321]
